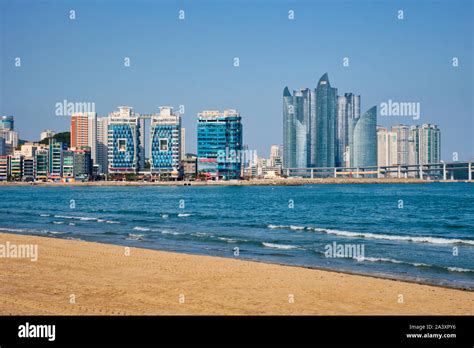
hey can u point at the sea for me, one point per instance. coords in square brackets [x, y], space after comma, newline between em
[414, 232]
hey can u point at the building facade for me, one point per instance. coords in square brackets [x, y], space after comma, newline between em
[219, 144]
[348, 108]
[363, 139]
[124, 147]
[387, 147]
[165, 142]
[84, 132]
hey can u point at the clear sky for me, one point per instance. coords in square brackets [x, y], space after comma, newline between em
[191, 62]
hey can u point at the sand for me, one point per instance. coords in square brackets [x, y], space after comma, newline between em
[81, 278]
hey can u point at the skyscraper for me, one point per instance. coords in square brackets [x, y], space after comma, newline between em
[165, 142]
[124, 148]
[387, 146]
[7, 123]
[219, 144]
[348, 107]
[55, 157]
[289, 130]
[402, 132]
[363, 139]
[326, 106]
[102, 140]
[84, 132]
[426, 146]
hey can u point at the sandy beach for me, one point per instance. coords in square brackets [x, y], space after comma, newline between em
[81, 278]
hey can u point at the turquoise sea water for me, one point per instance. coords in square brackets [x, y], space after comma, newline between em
[420, 232]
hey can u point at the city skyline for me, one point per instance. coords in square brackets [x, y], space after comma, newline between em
[212, 81]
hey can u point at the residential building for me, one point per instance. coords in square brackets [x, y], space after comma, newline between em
[387, 147]
[7, 123]
[348, 107]
[82, 163]
[219, 144]
[28, 169]
[55, 158]
[165, 142]
[15, 167]
[28, 149]
[363, 139]
[189, 167]
[125, 152]
[102, 148]
[403, 134]
[4, 168]
[426, 147]
[3, 149]
[84, 132]
[68, 164]
[41, 164]
[47, 134]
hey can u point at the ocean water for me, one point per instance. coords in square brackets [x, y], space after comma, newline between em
[418, 232]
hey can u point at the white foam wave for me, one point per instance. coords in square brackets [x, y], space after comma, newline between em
[279, 246]
[416, 239]
[138, 228]
[183, 215]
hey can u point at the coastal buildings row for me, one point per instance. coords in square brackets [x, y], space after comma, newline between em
[324, 130]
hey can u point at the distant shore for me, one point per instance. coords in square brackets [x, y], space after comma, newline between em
[255, 182]
[83, 278]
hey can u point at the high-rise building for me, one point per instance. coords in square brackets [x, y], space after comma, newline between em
[84, 131]
[28, 149]
[165, 142]
[299, 127]
[82, 163]
[402, 143]
[219, 144]
[348, 107]
[7, 123]
[363, 139]
[3, 149]
[11, 140]
[55, 157]
[47, 134]
[326, 109]
[41, 164]
[68, 164]
[28, 169]
[102, 140]
[426, 144]
[124, 147]
[183, 142]
[387, 147]
[189, 167]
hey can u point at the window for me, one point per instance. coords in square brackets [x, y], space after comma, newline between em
[163, 144]
[122, 145]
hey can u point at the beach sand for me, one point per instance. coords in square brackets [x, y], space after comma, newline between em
[104, 281]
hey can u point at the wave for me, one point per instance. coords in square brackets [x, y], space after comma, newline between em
[383, 259]
[58, 222]
[416, 239]
[228, 240]
[170, 232]
[164, 216]
[279, 246]
[132, 236]
[85, 218]
[183, 215]
[45, 215]
[138, 228]
[416, 264]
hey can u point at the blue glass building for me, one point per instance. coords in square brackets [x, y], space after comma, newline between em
[165, 142]
[363, 139]
[124, 141]
[219, 144]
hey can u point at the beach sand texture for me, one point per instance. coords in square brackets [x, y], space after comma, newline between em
[104, 281]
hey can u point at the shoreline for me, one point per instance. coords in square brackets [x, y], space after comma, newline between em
[104, 281]
[256, 182]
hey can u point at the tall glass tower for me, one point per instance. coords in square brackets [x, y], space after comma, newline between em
[326, 108]
[348, 107]
[363, 139]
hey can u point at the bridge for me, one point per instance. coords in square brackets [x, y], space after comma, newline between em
[433, 171]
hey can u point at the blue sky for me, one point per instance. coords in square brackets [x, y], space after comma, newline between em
[190, 62]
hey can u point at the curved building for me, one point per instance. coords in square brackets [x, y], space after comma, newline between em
[363, 144]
